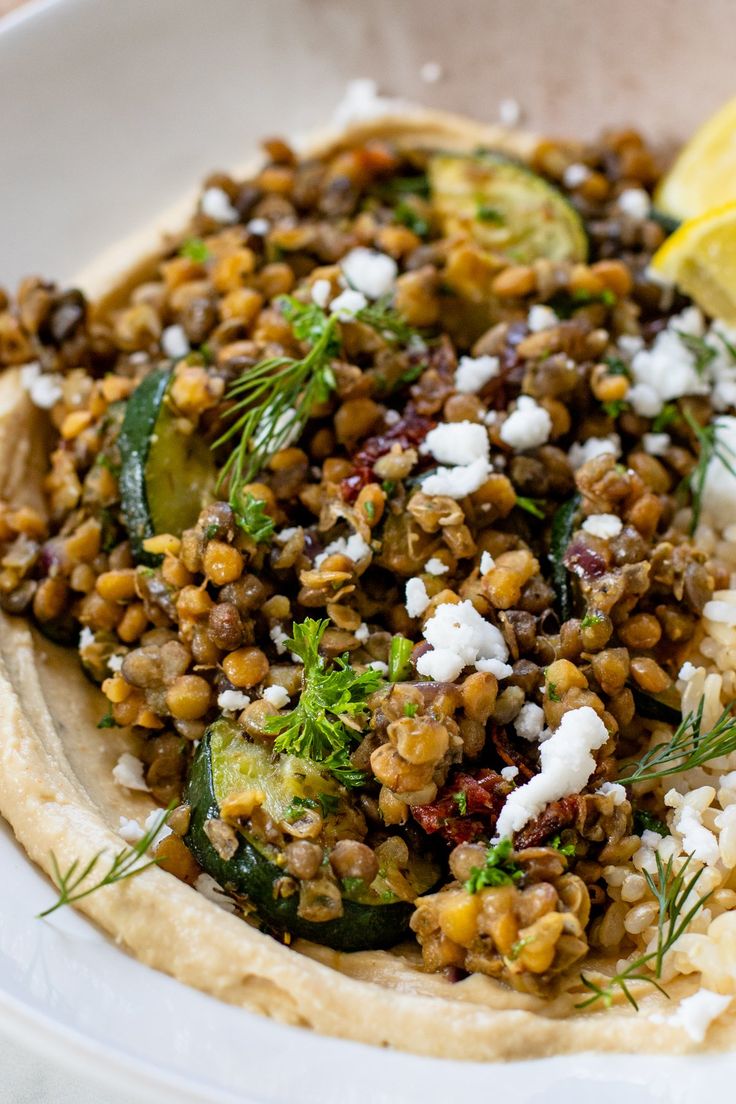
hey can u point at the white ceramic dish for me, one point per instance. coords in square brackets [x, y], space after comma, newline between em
[112, 109]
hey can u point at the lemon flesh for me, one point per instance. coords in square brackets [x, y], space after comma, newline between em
[700, 258]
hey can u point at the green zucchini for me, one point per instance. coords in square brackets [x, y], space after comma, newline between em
[658, 707]
[166, 476]
[227, 763]
[563, 527]
[506, 207]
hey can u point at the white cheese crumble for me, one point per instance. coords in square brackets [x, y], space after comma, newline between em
[276, 695]
[435, 566]
[354, 547]
[174, 342]
[509, 773]
[86, 638]
[487, 562]
[540, 318]
[431, 72]
[604, 526]
[279, 638]
[529, 723]
[567, 763]
[696, 1013]
[459, 637]
[347, 304]
[457, 443]
[361, 101]
[509, 112]
[528, 427]
[232, 701]
[321, 291]
[667, 369]
[369, 271]
[719, 491]
[656, 444]
[635, 203]
[130, 830]
[722, 612]
[687, 671]
[575, 175]
[615, 790]
[581, 453]
[417, 598]
[215, 204]
[473, 373]
[495, 667]
[457, 482]
[128, 772]
[258, 226]
[213, 891]
[115, 662]
[285, 535]
[362, 632]
[44, 389]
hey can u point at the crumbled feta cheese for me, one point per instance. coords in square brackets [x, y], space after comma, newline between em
[128, 772]
[541, 317]
[347, 304]
[581, 452]
[473, 373]
[285, 535]
[321, 291]
[644, 400]
[417, 598]
[459, 637]
[687, 671]
[457, 443]
[392, 417]
[279, 637]
[435, 566]
[213, 891]
[44, 389]
[604, 526]
[155, 822]
[722, 612]
[696, 1013]
[630, 343]
[457, 482]
[355, 548]
[509, 112]
[635, 203]
[696, 838]
[115, 662]
[509, 773]
[362, 632]
[719, 491]
[130, 830]
[276, 695]
[361, 101]
[528, 427]
[369, 271]
[380, 666]
[258, 226]
[487, 562]
[86, 638]
[615, 789]
[667, 369]
[431, 72]
[575, 175]
[656, 444]
[232, 701]
[495, 667]
[174, 342]
[215, 204]
[567, 764]
[529, 722]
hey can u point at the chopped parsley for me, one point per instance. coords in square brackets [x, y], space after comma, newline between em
[410, 709]
[194, 249]
[564, 848]
[498, 869]
[108, 721]
[407, 214]
[327, 803]
[250, 514]
[353, 885]
[399, 655]
[615, 408]
[667, 415]
[590, 620]
[648, 822]
[461, 800]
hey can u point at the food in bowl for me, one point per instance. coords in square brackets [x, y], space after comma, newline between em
[366, 564]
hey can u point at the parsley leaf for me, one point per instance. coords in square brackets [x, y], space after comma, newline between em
[398, 659]
[250, 514]
[647, 822]
[668, 414]
[328, 718]
[590, 620]
[461, 800]
[194, 249]
[108, 721]
[498, 869]
[564, 848]
[408, 215]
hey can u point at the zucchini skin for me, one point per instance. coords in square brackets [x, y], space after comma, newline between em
[249, 872]
[563, 525]
[134, 442]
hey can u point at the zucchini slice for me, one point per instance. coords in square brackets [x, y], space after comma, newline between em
[563, 527]
[505, 207]
[226, 763]
[166, 476]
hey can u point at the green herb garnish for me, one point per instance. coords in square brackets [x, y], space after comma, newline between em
[353, 885]
[564, 848]
[498, 869]
[615, 408]
[617, 367]
[590, 620]
[399, 655]
[647, 822]
[328, 719]
[108, 721]
[667, 415]
[710, 449]
[485, 213]
[387, 321]
[702, 353]
[194, 249]
[532, 506]
[410, 709]
[552, 692]
[407, 215]
[688, 748]
[461, 800]
[671, 892]
[127, 863]
[250, 514]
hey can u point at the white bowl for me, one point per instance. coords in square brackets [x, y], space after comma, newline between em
[111, 111]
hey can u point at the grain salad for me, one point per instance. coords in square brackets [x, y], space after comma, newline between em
[392, 508]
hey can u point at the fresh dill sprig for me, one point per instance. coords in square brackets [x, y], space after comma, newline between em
[671, 892]
[387, 321]
[126, 864]
[250, 515]
[688, 748]
[532, 506]
[702, 353]
[498, 868]
[273, 400]
[327, 720]
[710, 449]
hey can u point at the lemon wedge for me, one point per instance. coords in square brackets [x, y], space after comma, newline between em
[700, 258]
[704, 174]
